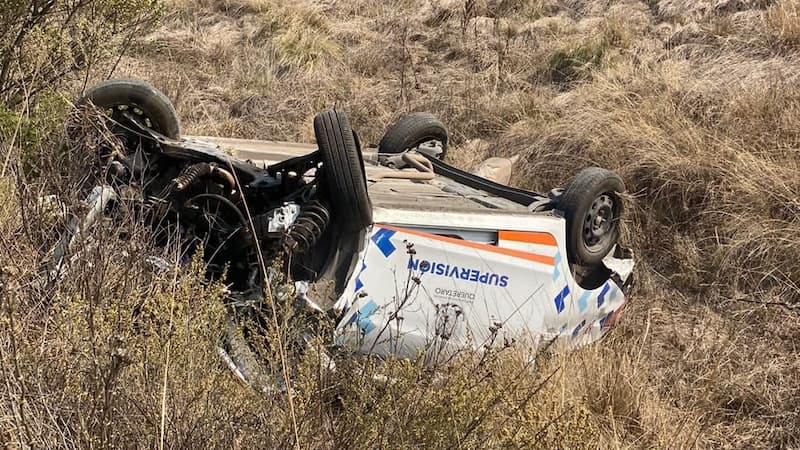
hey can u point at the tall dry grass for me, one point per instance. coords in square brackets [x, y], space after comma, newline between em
[120, 347]
[695, 104]
[783, 21]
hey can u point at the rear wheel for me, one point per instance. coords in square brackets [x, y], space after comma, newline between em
[344, 177]
[417, 129]
[592, 207]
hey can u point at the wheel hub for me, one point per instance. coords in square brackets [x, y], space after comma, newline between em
[599, 221]
[433, 148]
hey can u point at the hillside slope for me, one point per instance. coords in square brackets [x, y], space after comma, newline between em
[696, 104]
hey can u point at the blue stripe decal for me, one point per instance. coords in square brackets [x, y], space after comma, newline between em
[601, 298]
[605, 319]
[368, 309]
[378, 234]
[359, 283]
[556, 271]
[363, 314]
[560, 299]
[584, 300]
[578, 328]
[382, 240]
[366, 326]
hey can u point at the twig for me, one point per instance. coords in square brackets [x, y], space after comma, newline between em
[787, 305]
[162, 430]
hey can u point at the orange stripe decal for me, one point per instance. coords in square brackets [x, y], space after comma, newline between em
[528, 237]
[548, 260]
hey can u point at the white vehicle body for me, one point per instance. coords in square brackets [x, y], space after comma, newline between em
[417, 288]
[447, 267]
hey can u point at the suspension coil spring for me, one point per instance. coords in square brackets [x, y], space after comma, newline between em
[191, 174]
[307, 228]
[195, 172]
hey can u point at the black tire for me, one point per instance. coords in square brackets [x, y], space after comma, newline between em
[411, 130]
[592, 207]
[156, 109]
[344, 177]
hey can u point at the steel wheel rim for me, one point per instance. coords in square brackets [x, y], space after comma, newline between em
[600, 222]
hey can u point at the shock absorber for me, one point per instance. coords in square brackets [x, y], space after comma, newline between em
[307, 228]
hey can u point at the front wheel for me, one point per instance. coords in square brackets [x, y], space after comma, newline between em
[592, 207]
[344, 177]
[149, 106]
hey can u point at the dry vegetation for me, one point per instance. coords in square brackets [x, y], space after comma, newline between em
[695, 103]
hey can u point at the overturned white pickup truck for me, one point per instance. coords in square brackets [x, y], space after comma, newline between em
[421, 257]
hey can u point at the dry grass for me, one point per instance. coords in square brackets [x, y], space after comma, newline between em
[783, 21]
[695, 105]
[117, 350]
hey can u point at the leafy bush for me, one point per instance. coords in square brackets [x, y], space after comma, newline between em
[28, 132]
[43, 43]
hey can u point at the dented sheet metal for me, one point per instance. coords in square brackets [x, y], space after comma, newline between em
[414, 292]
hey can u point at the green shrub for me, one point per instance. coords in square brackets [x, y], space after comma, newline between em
[44, 43]
[26, 135]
